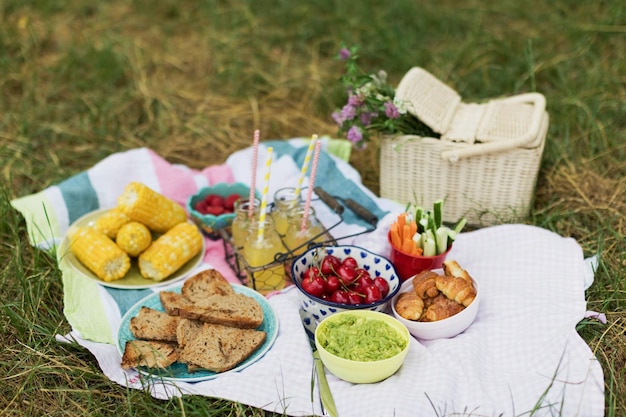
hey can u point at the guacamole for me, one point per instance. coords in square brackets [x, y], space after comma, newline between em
[360, 338]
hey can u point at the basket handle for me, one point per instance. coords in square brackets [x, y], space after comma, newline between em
[539, 102]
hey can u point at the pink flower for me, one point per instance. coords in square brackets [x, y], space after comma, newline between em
[354, 135]
[344, 54]
[338, 118]
[366, 117]
[391, 110]
[348, 112]
[355, 101]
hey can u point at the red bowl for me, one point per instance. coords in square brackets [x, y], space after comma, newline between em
[408, 266]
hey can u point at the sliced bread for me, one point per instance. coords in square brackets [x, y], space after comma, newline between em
[236, 310]
[205, 284]
[150, 324]
[187, 329]
[220, 348]
[149, 353]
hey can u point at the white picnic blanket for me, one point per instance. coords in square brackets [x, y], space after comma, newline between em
[522, 353]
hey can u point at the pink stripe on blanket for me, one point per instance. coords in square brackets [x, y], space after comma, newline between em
[218, 173]
[177, 182]
[215, 256]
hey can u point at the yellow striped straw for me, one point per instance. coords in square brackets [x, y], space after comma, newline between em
[266, 185]
[305, 166]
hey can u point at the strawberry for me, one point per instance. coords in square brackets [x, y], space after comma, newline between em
[215, 200]
[215, 210]
[229, 202]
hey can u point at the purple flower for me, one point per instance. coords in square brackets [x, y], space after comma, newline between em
[348, 112]
[355, 100]
[391, 110]
[344, 54]
[354, 135]
[338, 118]
[366, 117]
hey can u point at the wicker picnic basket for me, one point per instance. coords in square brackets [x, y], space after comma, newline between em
[484, 165]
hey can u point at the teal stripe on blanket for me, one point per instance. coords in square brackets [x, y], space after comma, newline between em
[79, 196]
[329, 177]
[125, 299]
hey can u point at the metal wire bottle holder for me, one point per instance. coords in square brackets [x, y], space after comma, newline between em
[248, 275]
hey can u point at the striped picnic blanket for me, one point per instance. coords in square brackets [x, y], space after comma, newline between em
[522, 353]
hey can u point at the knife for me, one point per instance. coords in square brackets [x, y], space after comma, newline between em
[326, 396]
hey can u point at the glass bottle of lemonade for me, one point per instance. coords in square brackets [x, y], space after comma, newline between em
[297, 238]
[242, 220]
[284, 200]
[259, 250]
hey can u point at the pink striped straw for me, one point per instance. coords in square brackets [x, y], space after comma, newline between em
[307, 203]
[255, 155]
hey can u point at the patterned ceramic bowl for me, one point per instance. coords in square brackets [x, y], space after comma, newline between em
[378, 266]
[211, 224]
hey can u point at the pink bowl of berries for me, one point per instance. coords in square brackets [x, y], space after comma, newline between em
[213, 208]
[331, 279]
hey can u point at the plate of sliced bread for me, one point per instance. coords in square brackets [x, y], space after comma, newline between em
[197, 330]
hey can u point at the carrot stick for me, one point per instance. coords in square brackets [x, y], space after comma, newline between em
[413, 228]
[406, 232]
[395, 235]
[418, 251]
[408, 246]
[401, 220]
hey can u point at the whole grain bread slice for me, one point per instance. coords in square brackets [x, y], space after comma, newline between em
[151, 324]
[220, 348]
[187, 329]
[149, 353]
[205, 284]
[236, 310]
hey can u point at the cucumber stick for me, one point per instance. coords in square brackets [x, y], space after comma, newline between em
[432, 235]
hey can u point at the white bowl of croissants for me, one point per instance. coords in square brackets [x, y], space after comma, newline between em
[436, 304]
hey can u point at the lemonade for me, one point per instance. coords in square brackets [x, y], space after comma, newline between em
[297, 238]
[285, 199]
[260, 251]
[242, 220]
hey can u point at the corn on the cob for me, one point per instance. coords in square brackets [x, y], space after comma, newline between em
[133, 238]
[99, 254]
[151, 208]
[111, 221]
[170, 251]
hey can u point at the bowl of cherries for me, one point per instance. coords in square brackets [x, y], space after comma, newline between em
[338, 278]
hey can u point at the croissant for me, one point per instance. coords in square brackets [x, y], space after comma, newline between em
[452, 268]
[432, 300]
[409, 306]
[456, 288]
[425, 285]
[441, 308]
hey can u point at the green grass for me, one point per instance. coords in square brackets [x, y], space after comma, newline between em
[80, 80]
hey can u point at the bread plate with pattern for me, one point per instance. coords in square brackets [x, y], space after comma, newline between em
[133, 279]
[178, 371]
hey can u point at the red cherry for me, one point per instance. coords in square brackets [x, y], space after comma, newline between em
[350, 262]
[346, 274]
[313, 283]
[340, 297]
[329, 264]
[382, 285]
[332, 284]
[372, 294]
[355, 298]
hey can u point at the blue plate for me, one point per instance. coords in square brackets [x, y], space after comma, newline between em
[178, 371]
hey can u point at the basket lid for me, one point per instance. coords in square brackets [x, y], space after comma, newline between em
[430, 100]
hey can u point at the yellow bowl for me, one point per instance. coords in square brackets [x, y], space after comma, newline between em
[359, 371]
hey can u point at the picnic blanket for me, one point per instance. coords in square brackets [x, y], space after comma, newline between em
[521, 354]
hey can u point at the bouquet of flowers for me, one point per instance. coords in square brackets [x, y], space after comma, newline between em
[371, 107]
